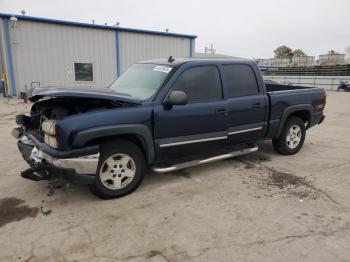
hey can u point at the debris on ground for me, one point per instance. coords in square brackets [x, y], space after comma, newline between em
[282, 179]
[270, 179]
[45, 212]
[252, 160]
[56, 184]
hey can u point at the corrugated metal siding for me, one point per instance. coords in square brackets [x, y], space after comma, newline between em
[137, 47]
[46, 53]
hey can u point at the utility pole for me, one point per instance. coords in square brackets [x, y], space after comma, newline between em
[210, 50]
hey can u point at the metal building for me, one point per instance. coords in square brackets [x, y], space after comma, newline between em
[332, 58]
[303, 60]
[46, 52]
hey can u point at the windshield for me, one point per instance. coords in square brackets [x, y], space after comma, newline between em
[141, 81]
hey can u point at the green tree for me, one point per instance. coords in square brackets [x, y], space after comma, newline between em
[283, 51]
[299, 52]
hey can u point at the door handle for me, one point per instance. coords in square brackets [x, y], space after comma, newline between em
[257, 105]
[221, 111]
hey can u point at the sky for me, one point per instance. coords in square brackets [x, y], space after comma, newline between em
[243, 28]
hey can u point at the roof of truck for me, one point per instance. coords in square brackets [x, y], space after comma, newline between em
[180, 61]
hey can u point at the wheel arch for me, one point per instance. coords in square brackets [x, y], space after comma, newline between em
[302, 111]
[138, 134]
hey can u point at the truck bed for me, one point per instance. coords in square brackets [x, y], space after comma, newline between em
[282, 97]
[279, 87]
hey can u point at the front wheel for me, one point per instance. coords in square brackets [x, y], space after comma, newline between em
[292, 137]
[120, 170]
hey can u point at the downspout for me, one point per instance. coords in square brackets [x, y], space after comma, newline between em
[3, 55]
[117, 45]
[6, 28]
[191, 47]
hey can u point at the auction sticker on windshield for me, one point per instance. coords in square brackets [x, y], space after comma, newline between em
[164, 69]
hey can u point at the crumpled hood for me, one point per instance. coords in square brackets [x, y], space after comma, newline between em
[87, 92]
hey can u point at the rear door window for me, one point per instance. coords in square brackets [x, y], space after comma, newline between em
[240, 80]
[201, 84]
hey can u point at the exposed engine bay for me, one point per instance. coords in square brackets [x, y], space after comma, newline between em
[59, 108]
[47, 113]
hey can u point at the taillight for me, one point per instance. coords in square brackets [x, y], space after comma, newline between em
[320, 104]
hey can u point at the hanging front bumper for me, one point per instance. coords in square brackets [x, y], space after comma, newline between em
[44, 167]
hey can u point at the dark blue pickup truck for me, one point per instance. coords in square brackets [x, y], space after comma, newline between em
[161, 114]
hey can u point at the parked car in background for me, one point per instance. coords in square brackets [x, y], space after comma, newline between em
[164, 115]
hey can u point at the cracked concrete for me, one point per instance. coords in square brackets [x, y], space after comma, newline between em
[262, 207]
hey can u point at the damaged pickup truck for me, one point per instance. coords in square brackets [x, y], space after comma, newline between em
[164, 115]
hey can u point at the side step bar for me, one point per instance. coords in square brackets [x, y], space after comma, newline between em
[204, 161]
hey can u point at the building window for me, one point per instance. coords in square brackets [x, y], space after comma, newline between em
[84, 72]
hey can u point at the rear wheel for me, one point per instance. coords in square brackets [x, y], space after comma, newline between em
[292, 137]
[120, 170]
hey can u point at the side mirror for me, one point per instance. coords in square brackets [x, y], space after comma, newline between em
[176, 98]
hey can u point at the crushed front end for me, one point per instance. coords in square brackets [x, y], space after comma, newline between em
[48, 164]
[46, 136]
[44, 147]
[44, 166]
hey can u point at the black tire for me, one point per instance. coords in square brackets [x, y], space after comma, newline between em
[119, 147]
[280, 144]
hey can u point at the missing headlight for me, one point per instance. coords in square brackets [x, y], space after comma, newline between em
[51, 141]
[49, 127]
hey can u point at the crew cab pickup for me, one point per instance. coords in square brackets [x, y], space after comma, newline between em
[164, 115]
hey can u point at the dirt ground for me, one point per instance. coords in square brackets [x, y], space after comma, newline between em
[259, 207]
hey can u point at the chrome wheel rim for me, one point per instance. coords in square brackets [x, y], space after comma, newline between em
[293, 136]
[117, 171]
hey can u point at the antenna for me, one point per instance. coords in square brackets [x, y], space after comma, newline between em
[171, 59]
